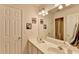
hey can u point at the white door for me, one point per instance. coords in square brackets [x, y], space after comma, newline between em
[10, 30]
[15, 31]
[2, 30]
[7, 30]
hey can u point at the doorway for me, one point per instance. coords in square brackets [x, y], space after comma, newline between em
[59, 28]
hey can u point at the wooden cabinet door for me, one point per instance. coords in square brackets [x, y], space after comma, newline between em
[31, 49]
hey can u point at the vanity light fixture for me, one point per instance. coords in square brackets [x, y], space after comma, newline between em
[40, 13]
[56, 5]
[67, 4]
[43, 12]
[60, 7]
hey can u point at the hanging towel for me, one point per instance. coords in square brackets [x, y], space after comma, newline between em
[76, 41]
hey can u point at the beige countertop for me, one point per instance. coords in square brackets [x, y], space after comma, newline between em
[51, 48]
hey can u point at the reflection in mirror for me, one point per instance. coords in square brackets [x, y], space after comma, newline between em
[74, 33]
[75, 41]
[59, 28]
[62, 29]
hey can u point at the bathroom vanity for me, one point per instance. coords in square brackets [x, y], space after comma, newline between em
[32, 49]
[46, 47]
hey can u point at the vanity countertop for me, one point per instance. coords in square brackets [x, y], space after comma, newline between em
[50, 48]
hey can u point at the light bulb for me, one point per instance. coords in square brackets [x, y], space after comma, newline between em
[43, 14]
[60, 7]
[46, 13]
[56, 5]
[43, 11]
[40, 13]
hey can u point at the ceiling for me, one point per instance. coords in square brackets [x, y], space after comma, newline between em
[24, 5]
[48, 7]
[38, 6]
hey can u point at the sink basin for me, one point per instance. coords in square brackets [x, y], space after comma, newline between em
[57, 50]
[40, 41]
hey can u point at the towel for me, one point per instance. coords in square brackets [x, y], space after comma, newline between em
[76, 41]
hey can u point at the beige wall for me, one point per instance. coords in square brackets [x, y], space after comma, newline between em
[28, 14]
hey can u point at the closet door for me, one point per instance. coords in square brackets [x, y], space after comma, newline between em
[15, 31]
[2, 30]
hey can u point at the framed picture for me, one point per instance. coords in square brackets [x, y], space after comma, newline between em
[44, 26]
[41, 21]
[34, 20]
[28, 26]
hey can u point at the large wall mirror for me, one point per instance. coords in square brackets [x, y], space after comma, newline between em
[66, 28]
